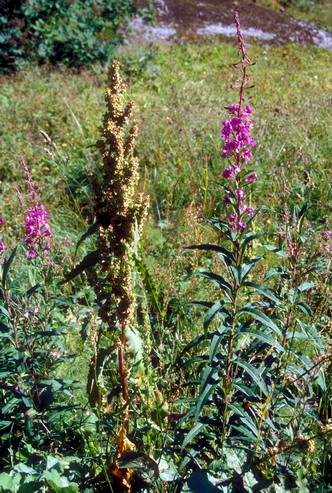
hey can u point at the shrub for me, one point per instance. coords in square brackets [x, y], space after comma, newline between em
[75, 32]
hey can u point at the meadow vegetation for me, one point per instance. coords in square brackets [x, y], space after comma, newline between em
[172, 431]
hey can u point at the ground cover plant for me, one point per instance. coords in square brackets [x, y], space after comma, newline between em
[132, 389]
[76, 33]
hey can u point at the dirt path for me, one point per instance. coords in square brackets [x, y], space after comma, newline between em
[193, 19]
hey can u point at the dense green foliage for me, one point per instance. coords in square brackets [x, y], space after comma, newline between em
[76, 32]
[177, 418]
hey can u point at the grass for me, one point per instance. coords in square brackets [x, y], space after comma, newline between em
[179, 93]
[314, 11]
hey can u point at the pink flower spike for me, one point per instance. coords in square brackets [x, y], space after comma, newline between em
[1, 220]
[228, 172]
[31, 254]
[252, 177]
[2, 247]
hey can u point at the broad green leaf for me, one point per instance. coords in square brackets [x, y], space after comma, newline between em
[8, 483]
[261, 317]
[199, 482]
[23, 468]
[257, 378]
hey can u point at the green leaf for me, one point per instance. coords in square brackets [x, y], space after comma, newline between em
[217, 309]
[247, 433]
[251, 237]
[209, 381]
[6, 266]
[214, 248]
[192, 433]
[276, 250]
[148, 283]
[263, 336]
[199, 482]
[216, 280]
[267, 293]
[306, 285]
[257, 378]
[23, 468]
[247, 268]
[58, 483]
[243, 389]
[90, 260]
[304, 307]
[261, 317]
[7, 483]
[278, 271]
[216, 340]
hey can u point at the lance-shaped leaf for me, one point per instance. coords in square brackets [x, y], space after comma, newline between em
[217, 309]
[193, 433]
[261, 317]
[254, 374]
[92, 230]
[148, 283]
[216, 340]
[249, 237]
[263, 336]
[306, 285]
[278, 271]
[245, 269]
[210, 380]
[6, 266]
[267, 293]
[217, 281]
[226, 254]
[248, 435]
[90, 260]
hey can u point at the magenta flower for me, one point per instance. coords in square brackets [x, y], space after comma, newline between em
[252, 177]
[2, 247]
[1, 220]
[37, 229]
[238, 145]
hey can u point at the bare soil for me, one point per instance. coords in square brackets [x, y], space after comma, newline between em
[190, 20]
